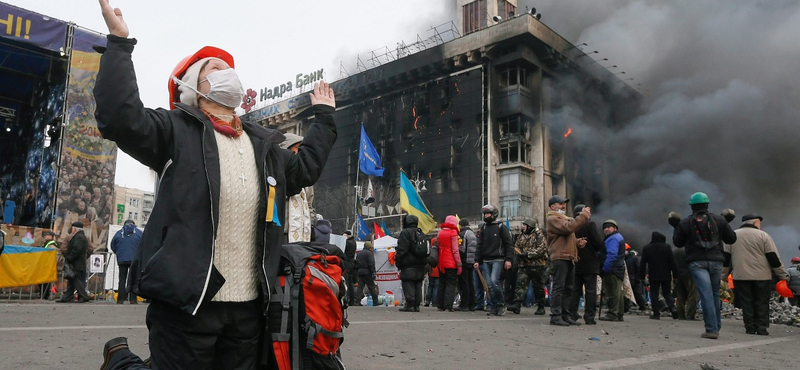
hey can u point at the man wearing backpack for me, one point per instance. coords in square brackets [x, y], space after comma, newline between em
[411, 263]
[753, 260]
[495, 252]
[703, 235]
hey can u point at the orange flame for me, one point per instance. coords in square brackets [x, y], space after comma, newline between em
[569, 131]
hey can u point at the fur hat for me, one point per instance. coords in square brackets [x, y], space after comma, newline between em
[190, 77]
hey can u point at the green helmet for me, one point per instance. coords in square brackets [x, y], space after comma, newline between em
[699, 198]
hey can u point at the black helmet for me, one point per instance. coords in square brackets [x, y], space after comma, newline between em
[491, 210]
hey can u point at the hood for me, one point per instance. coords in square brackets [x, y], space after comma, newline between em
[128, 229]
[411, 221]
[450, 222]
[658, 238]
[323, 226]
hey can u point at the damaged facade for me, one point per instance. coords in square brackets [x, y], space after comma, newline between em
[493, 116]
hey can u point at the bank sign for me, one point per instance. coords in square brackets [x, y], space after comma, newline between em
[300, 81]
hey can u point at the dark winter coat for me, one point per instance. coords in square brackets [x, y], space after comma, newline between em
[125, 243]
[411, 265]
[76, 251]
[366, 262]
[657, 260]
[588, 257]
[613, 255]
[683, 237]
[682, 267]
[322, 231]
[175, 261]
[632, 262]
[494, 243]
[350, 253]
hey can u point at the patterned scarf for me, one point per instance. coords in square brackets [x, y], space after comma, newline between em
[230, 129]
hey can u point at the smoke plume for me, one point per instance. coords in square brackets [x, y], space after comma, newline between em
[720, 110]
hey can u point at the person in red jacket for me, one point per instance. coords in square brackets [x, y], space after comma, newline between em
[449, 263]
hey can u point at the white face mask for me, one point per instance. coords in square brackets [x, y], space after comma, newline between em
[561, 211]
[225, 87]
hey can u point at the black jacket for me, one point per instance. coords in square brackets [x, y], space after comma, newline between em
[632, 262]
[494, 243]
[350, 254]
[588, 260]
[412, 266]
[658, 260]
[175, 261]
[682, 237]
[366, 262]
[76, 251]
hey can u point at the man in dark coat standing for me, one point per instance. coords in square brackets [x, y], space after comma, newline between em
[411, 264]
[76, 257]
[586, 270]
[351, 274]
[366, 273]
[659, 262]
[124, 244]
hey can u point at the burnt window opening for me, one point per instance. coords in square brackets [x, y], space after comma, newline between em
[513, 127]
[513, 75]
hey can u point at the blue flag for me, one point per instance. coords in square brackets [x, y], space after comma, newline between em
[363, 228]
[369, 162]
[385, 229]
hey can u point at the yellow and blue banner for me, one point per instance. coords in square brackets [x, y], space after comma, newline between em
[22, 266]
[369, 162]
[384, 228]
[413, 205]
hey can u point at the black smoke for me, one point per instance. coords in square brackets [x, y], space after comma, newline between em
[720, 110]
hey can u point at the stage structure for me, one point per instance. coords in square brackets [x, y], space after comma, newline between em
[492, 115]
[55, 168]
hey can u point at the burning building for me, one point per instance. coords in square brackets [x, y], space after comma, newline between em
[498, 114]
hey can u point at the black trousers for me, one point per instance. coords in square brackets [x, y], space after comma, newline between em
[447, 289]
[588, 282]
[638, 294]
[665, 287]
[123, 293]
[466, 289]
[76, 284]
[351, 287]
[412, 291]
[222, 335]
[509, 278]
[563, 282]
[369, 282]
[754, 297]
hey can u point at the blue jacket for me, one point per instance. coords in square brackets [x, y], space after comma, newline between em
[125, 243]
[614, 261]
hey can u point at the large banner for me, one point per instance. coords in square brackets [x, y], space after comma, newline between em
[29, 27]
[20, 266]
[88, 162]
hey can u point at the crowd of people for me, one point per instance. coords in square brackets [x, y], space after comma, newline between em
[495, 270]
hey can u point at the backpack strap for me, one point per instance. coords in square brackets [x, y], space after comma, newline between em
[294, 289]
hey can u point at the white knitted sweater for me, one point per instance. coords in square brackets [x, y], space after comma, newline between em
[235, 246]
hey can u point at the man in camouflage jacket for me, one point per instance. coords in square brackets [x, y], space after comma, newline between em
[531, 250]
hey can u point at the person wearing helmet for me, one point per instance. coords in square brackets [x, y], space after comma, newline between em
[703, 235]
[752, 260]
[562, 245]
[209, 256]
[794, 280]
[531, 251]
[613, 257]
[495, 252]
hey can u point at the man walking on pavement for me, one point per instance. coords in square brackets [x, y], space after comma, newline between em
[75, 256]
[586, 270]
[411, 263]
[495, 251]
[753, 259]
[613, 271]
[124, 244]
[352, 272]
[531, 250]
[703, 234]
[659, 263]
[563, 248]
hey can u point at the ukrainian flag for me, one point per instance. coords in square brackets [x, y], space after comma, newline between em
[21, 266]
[412, 203]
